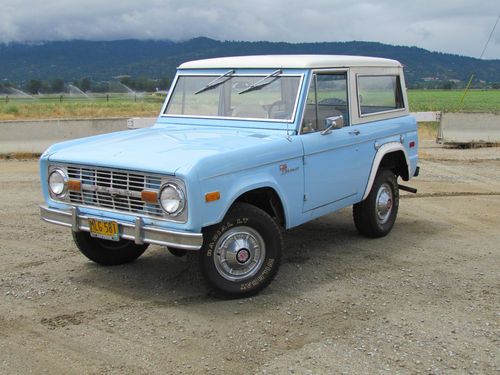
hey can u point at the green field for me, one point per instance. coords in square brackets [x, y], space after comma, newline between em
[112, 105]
[116, 105]
[449, 100]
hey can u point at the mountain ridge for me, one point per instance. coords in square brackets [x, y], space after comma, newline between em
[103, 60]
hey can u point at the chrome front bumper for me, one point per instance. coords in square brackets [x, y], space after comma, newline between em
[137, 232]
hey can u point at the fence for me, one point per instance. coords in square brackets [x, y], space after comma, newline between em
[89, 97]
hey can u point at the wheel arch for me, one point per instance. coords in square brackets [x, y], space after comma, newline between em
[265, 197]
[392, 156]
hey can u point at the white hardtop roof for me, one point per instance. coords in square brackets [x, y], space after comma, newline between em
[290, 61]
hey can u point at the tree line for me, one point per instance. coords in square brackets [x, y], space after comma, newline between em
[86, 84]
[453, 85]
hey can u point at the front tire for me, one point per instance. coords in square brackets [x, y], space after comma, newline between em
[241, 255]
[375, 216]
[105, 252]
[177, 252]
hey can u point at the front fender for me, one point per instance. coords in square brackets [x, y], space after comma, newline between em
[288, 187]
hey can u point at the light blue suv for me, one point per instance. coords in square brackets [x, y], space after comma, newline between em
[244, 148]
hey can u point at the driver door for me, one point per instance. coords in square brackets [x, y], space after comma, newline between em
[330, 160]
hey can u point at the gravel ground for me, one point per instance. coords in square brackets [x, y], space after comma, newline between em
[424, 299]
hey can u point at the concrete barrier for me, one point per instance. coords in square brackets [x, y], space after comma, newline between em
[34, 136]
[433, 116]
[469, 128]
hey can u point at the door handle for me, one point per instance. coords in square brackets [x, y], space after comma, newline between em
[354, 132]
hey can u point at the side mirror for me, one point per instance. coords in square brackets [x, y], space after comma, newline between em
[334, 122]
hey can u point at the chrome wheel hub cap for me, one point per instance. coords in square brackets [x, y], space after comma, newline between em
[384, 203]
[239, 253]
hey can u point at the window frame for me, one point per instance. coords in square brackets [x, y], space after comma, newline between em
[313, 74]
[399, 91]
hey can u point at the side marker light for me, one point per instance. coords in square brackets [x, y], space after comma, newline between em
[212, 196]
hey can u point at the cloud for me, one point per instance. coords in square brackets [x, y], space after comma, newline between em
[455, 26]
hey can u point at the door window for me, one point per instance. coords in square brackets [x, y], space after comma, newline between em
[327, 97]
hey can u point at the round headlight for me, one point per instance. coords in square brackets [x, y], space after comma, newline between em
[58, 182]
[172, 199]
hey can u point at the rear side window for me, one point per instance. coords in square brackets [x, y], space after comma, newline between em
[379, 94]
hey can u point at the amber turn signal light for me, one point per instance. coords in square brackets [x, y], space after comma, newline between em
[74, 185]
[149, 196]
[213, 196]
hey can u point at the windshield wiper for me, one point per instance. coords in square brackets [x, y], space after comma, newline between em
[216, 82]
[261, 83]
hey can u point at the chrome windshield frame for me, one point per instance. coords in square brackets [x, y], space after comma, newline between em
[238, 74]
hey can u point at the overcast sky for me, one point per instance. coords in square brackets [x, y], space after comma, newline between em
[455, 26]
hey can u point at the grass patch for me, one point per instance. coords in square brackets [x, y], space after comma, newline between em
[20, 156]
[52, 107]
[449, 100]
[10, 110]
[37, 110]
[428, 130]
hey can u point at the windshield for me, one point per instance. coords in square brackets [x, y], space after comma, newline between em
[235, 96]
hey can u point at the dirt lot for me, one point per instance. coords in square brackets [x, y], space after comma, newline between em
[425, 299]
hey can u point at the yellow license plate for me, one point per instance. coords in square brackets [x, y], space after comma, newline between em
[107, 230]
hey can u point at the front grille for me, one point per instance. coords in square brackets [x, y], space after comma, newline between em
[125, 194]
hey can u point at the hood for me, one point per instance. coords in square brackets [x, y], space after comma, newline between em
[159, 149]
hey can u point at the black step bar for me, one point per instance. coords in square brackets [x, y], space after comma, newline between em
[408, 189]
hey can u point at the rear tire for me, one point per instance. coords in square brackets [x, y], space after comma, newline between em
[108, 253]
[375, 216]
[241, 255]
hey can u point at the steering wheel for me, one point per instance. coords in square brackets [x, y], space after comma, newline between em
[332, 101]
[277, 107]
